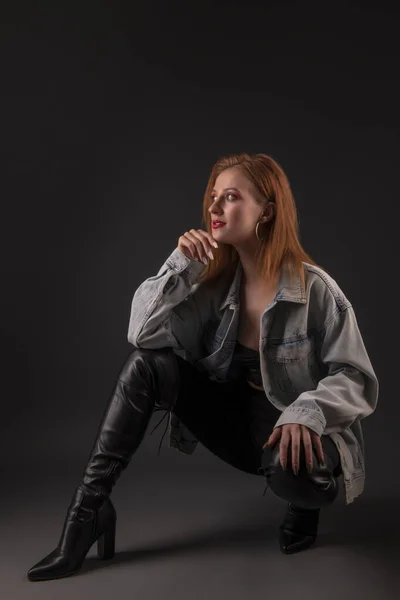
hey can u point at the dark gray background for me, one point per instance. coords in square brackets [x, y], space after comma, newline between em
[112, 116]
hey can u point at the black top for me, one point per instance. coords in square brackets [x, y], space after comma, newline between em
[262, 415]
[245, 364]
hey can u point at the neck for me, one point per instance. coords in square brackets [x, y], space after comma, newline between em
[250, 274]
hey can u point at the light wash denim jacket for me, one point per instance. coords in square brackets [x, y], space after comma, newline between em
[314, 365]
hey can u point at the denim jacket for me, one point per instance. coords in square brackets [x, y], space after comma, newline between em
[314, 365]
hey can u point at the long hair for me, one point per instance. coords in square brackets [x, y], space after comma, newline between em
[280, 235]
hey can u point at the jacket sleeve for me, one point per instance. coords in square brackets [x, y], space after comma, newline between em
[350, 389]
[165, 311]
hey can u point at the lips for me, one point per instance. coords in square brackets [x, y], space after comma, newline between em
[217, 224]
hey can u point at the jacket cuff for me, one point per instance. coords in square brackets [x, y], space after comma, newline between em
[179, 262]
[302, 416]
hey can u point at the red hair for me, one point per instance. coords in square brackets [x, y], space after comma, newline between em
[280, 235]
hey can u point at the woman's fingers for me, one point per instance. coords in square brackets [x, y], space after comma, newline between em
[209, 237]
[283, 447]
[296, 436]
[205, 241]
[199, 243]
[274, 437]
[306, 437]
[196, 246]
[318, 447]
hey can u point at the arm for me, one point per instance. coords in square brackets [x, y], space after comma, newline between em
[350, 389]
[164, 311]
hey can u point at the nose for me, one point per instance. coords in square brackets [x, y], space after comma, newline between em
[214, 208]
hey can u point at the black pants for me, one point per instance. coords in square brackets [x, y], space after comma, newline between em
[231, 419]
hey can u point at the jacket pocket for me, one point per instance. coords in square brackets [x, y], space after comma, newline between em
[293, 364]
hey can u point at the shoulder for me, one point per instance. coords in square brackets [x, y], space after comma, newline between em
[324, 295]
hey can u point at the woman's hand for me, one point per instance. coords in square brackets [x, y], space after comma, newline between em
[294, 432]
[196, 244]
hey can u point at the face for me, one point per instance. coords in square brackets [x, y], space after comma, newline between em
[234, 203]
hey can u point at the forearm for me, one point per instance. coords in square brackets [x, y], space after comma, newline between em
[155, 299]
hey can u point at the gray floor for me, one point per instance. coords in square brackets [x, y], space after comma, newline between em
[196, 527]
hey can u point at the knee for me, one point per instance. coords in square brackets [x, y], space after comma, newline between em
[142, 361]
[308, 490]
[157, 368]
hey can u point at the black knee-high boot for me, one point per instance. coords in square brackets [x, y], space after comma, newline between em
[147, 377]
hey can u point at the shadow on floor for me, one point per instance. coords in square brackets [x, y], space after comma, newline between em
[371, 524]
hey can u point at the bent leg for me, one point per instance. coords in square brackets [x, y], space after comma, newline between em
[153, 371]
[216, 415]
[145, 378]
[307, 490]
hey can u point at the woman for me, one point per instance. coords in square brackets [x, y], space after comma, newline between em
[252, 349]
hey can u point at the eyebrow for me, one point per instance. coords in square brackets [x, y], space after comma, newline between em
[226, 189]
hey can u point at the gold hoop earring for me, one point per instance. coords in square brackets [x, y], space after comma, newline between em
[260, 239]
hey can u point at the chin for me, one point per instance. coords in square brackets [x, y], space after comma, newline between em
[219, 237]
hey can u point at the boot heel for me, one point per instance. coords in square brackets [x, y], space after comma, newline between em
[106, 542]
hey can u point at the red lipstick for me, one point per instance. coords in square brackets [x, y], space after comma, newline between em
[217, 224]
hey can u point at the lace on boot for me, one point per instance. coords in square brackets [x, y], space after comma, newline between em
[167, 412]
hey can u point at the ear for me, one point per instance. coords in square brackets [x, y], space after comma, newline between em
[268, 212]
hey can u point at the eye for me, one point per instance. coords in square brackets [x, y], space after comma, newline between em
[228, 194]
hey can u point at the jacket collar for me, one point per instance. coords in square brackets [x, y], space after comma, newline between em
[288, 291]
